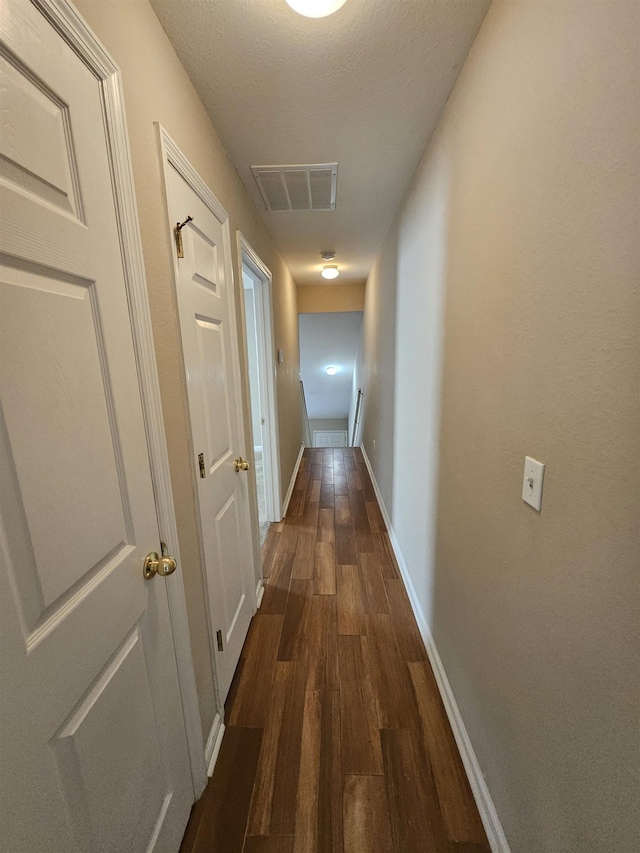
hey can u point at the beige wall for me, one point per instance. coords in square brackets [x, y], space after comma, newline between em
[375, 366]
[331, 297]
[156, 88]
[501, 320]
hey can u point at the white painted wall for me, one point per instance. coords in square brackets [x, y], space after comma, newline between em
[328, 339]
[325, 424]
[501, 319]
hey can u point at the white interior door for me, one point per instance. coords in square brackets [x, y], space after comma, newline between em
[210, 347]
[257, 289]
[330, 438]
[92, 738]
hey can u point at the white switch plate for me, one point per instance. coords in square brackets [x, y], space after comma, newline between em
[280, 356]
[532, 482]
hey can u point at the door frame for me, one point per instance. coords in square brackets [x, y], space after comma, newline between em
[75, 31]
[247, 256]
[171, 156]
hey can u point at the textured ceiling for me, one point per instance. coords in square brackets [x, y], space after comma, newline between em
[364, 87]
[328, 339]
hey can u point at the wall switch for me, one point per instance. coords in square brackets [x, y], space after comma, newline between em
[374, 445]
[280, 356]
[532, 482]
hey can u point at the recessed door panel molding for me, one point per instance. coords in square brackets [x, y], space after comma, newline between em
[228, 545]
[36, 148]
[205, 260]
[212, 375]
[87, 761]
[330, 438]
[205, 293]
[51, 330]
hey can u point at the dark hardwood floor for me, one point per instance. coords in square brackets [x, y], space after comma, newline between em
[336, 739]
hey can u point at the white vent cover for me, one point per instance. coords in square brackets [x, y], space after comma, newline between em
[298, 187]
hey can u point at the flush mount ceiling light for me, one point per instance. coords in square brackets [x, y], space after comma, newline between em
[330, 271]
[331, 370]
[316, 8]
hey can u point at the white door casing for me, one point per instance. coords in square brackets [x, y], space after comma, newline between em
[206, 306]
[267, 378]
[94, 746]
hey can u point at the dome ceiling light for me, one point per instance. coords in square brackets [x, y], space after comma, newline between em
[329, 270]
[316, 8]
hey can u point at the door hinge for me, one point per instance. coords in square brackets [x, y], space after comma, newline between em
[178, 233]
[219, 638]
[203, 470]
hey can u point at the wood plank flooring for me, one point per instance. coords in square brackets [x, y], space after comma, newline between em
[336, 739]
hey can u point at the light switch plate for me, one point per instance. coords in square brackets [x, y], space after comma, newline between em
[532, 482]
[280, 356]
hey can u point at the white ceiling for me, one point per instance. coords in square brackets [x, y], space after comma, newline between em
[328, 339]
[364, 87]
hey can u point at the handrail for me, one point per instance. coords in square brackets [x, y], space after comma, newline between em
[306, 428]
[356, 418]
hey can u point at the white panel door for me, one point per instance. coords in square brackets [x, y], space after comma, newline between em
[210, 348]
[330, 438]
[92, 740]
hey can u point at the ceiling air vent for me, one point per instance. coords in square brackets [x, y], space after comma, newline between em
[298, 187]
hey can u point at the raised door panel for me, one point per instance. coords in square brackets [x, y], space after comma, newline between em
[330, 438]
[98, 740]
[54, 364]
[36, 149]
[231, 581]
[215, 396]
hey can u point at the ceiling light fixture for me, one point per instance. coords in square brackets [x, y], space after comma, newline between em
[331, 370]
[316, 8]
[330, 271]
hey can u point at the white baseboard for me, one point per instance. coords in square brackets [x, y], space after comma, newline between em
[214, 740]
[259, 593]
[486, 808]
[296, 467]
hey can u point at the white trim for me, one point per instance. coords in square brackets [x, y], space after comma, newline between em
[78, 35]
[271, 461]
[259, 593]
[214, 742]
[296, 467]
[486, 808]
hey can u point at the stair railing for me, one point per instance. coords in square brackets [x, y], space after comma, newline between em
[306, 428]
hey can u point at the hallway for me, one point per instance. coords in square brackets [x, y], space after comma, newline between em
[336, 737]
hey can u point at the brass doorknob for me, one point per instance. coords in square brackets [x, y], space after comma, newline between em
[163, 566]
[241, 464]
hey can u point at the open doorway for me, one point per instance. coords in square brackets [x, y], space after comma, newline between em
[329, 345]
[256, 281]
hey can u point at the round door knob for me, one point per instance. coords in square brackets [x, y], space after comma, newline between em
[241, 464]
[163, 566]
[167, 566]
